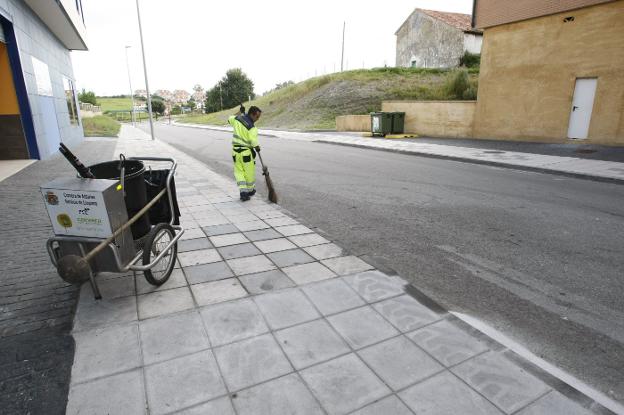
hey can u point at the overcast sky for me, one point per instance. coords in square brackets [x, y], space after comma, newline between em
[192, 42]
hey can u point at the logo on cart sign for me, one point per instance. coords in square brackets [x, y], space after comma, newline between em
[64, 220]
[52, 198]
[84, 211]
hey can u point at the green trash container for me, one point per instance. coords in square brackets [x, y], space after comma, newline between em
[381, 123]
[398, 122]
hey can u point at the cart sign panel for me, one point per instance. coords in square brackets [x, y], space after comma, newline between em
[77, 212]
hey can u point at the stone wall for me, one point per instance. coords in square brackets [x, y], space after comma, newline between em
[436, 118]
[429, 43]
[360, 123]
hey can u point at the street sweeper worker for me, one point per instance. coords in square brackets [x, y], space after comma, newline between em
[244, 148]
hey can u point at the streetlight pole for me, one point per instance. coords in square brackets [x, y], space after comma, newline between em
[344, 25]
[131, 93]
[149, 100]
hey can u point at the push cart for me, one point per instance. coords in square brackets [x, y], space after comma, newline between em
[153, 251]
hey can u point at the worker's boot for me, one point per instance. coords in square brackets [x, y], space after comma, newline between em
[244, 196]
[253, 192]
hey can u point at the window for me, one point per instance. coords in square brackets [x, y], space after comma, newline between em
[70, 97]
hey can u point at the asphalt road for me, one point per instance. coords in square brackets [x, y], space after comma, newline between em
[538, 257]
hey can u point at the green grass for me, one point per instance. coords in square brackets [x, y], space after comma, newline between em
[315, 103]
[115, 104]
[100, 126]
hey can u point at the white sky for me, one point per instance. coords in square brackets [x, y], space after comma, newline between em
[196, 41]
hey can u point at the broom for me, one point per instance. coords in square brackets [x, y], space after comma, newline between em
[269, 182]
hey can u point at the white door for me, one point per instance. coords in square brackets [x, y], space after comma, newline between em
[582, 105]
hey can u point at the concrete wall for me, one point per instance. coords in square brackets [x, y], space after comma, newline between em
[429, 42]
[436, 118]
[473, 42]
[35, 40]
[353, 123]
[529, 69]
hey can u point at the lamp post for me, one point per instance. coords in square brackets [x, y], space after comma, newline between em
[131, 93]
[149, 99]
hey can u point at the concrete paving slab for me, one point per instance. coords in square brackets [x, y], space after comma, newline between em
[238, 251]
[306, 273]
[228, 239]
[362, 327]
[263, 234]
[291, 257]
[310, 343]
[101, 313]
[344, 384]
[219, 406]
[285, 395]
[172, 336]
[387, 406]
[202, 256]
[406, 313]
[233, 321]
[160, 303]
[192, 234]
[281, 221]
[309, 239]
[275, 245]
[251, 361]
[208, 272]
[399, 363]
[333, 296]
[105, 352]
[267, 281]
[218, 291]
[444, 394]
[554, 403]
[220, 229]
[176, 280]
[118, 394]
[346, 265]
[183, 382]
[447, 343]
[251, 226]
[269, 213]
[286, 308]
[506, 385]
[250, 265]
[213, 220]
[292, 230]
[324, 251]
[109, 289]
[375, 285]
[193, 244]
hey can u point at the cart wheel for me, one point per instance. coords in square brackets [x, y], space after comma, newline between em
[159, 237]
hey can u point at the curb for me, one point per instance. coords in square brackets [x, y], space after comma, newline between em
[209, 127]
[612, 180]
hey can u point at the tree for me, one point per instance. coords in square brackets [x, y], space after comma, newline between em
[212, 103]
[158, 106]
[87, 97]
[176, 110]
[233, 89]
[191, 103]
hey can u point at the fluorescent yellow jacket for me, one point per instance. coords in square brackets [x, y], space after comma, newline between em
[245, 132]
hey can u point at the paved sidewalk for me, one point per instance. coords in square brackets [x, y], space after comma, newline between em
[570, 166]
[266, 316]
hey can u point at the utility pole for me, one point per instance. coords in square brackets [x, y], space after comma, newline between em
[131, 91]
[149, 99]
[344, 25]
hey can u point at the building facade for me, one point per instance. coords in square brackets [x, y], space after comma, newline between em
[551, 70]
[433, 39]
[38, 97]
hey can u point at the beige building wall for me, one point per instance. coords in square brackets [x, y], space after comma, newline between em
[359, 123]
[529, 69]
[435, 118]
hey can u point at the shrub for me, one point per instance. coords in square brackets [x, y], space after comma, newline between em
[87, 97]
[100, 126]
[470, 94]
[457, 84]
[470, 60]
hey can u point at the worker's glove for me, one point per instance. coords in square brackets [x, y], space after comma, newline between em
[257, 148]
[241, 109]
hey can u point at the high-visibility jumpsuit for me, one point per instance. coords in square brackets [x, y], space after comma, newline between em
[244, 140]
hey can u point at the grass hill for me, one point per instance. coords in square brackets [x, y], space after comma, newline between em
[315, 103]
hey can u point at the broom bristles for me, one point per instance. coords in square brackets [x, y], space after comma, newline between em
[270, 187]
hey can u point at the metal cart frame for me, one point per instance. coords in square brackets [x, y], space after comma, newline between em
[53, 243]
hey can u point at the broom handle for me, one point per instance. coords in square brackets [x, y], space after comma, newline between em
[261, 162]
